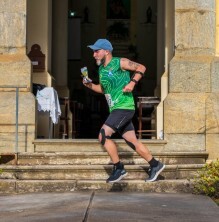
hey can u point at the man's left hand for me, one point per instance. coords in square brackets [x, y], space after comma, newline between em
[129, 87]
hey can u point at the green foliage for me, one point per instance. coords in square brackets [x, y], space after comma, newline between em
[207, 181]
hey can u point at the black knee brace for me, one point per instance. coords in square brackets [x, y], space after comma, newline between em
[104, 137]
[130, 144]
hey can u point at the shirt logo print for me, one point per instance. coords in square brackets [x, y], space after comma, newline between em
[110, 72]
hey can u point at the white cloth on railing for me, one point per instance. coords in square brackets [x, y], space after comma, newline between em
[48, 101]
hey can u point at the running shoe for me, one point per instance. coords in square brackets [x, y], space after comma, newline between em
[116, 175]
[154, 172]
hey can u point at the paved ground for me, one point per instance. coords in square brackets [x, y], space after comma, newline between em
[107, 206]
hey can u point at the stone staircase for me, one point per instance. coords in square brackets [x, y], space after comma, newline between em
[68, 165]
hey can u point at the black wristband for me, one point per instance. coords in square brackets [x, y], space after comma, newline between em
[135, 81]
[139, 72]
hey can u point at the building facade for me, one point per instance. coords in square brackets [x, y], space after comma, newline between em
[187, 65]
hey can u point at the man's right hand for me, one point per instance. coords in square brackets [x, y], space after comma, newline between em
[86, 80]
[86, 83]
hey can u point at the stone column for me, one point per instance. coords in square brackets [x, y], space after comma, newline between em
[39, 28]
[217, 28]
[168, 49]
[192, 103]
[59, 56]
[60, 44]
[15, 70]
[212, 103]
[160, 42]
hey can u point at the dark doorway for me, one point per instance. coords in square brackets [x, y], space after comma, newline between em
[133, 34]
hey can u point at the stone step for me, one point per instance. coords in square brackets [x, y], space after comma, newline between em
[89, 158]
[74, 164]
[82, 145]
[90, 172]
[31, 186]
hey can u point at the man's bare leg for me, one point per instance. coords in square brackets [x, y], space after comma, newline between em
[118, 170]
[109, 145]
[142, 150]
[156, 167]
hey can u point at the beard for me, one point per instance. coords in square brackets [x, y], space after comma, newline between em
[100, 61]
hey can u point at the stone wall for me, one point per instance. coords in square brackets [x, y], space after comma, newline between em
[212, 113]
[191, 108]
[15, 71]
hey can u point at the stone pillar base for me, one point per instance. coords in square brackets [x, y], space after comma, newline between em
[26, 121]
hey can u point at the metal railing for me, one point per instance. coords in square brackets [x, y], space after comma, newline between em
[16, 111]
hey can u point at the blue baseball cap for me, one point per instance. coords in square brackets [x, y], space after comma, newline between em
[101, 44]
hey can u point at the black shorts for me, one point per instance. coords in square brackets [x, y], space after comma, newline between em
[120, 120]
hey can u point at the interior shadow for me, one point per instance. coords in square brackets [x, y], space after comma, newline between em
[118, 187]
[7, 159]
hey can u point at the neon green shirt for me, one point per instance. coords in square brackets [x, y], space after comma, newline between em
[113, 79]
